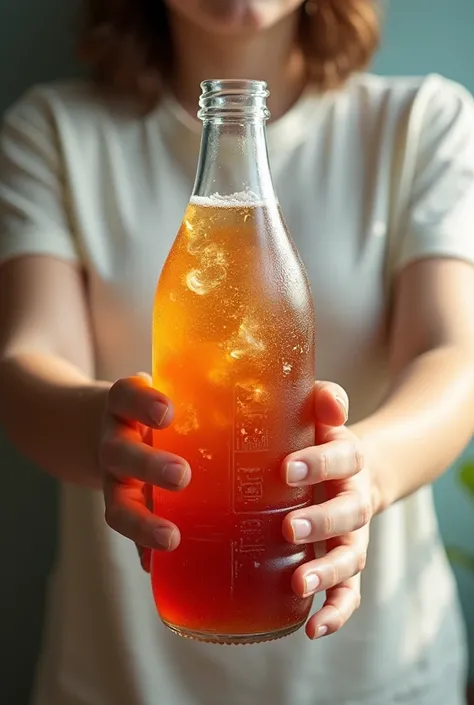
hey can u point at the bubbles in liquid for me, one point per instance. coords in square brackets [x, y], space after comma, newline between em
[212, 265]
[195, 284]
[186, 420]
[197, 237]
[205, 454]
[250, 393]
[240, 198]
[246, 343]
[219, 375]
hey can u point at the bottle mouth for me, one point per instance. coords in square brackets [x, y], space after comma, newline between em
[233, 99]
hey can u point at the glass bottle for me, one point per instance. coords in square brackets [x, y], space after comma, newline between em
[233, 348]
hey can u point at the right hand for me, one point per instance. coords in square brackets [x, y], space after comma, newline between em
[130, 467]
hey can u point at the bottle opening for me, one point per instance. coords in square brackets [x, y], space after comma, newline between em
[233, 99]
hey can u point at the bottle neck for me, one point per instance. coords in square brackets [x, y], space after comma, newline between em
[234, 160]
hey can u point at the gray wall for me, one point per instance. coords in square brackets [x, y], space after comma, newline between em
[36, 44]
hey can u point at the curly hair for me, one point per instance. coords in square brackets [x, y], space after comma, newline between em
[127, 43]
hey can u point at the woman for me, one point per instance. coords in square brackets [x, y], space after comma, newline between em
[376, 179]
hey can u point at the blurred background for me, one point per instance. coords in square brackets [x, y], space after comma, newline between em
[37, 44]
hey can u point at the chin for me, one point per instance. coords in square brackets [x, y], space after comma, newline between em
[234, 17]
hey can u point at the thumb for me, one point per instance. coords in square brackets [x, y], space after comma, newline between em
[328, 434]
[146, 377]
[331, 404]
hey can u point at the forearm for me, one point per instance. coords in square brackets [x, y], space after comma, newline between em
[52, 412]
[424, 424]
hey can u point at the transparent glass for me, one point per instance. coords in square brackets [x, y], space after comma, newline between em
[233, 347]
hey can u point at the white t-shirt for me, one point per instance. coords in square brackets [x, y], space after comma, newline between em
[369, 179]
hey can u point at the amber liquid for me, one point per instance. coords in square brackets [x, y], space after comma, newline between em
[233, 347]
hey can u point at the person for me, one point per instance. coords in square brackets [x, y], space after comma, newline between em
[376, 179]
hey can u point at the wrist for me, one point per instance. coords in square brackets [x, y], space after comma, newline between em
[377, 464]
[91, 404]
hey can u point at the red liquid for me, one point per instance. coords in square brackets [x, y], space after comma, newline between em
[234, 350]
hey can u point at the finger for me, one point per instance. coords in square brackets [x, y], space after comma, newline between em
[148, 496]
[126, 513]
[345, 513]
[144, 555]
[146, 377]
[331, 404]
[125, 455]
[132, 399]
[338, 565]
[341, 603]
[336, 460]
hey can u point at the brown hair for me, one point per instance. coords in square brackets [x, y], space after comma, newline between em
[128, 45]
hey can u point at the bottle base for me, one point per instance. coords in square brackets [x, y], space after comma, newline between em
[233, 639]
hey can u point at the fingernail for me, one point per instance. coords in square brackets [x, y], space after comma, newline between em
[301, 528]
[173, 474]
[311, 584]
[163, 537]
[343, 405]
[296, 471]
[321, 631]
[158, 412]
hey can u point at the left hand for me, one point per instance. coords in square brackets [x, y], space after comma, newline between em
[340, 524]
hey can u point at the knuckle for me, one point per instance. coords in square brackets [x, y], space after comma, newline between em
[361, 561]
[327, 524]
[323, 467]
[351, 603]
[357, 456]
[110, 451]
[357, 600]
[332, 574]
[117, 390]
[365, 513]
[150, 469]
[139, 530]
[340, 618]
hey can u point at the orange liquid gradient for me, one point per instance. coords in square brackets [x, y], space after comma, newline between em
[233, 348]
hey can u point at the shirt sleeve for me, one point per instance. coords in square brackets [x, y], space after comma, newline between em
[34, 217]
[439, 216]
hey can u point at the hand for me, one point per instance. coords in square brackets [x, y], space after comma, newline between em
[130, 466]
[339, 526]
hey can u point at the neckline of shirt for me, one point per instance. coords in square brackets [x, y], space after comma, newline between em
[282, 134]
